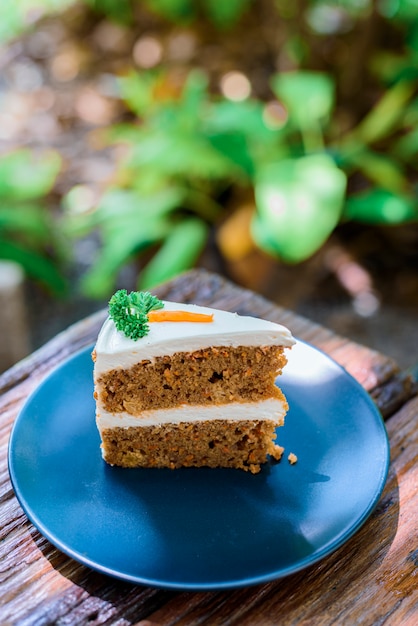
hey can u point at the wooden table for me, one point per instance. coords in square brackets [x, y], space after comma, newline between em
[369, 580]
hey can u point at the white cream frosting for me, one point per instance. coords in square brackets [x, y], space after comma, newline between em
[114, 350]
[272, 409]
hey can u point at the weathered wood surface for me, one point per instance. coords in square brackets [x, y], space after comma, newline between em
[369, 580]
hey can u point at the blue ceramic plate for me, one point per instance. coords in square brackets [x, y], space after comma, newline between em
[202, 529]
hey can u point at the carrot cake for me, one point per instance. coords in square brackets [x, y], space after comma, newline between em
[181, 385]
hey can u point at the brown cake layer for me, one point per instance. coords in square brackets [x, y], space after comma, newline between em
[240, 444]
[209, 376]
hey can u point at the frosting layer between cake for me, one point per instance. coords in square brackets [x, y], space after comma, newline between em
[272, 409]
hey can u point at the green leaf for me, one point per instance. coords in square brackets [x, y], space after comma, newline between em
[176, 10]
[151, 96]
[225, 13]
[234, 147]
[120, 202]
[36, 265]
[402, 10]
[178, 253]
[176, 154]
[390, 67]
[124, 132]
[382, 170]
[308, 96]
[126, 210]
[119, 246]
[203, 205]
[411, 114]
[386, 114]
[244, 122]
[406, 147]
[194, 95]
[137, 92]
[24, 176]
[379, 206]
[119, 11]
[99, 282]
[244, 117]
[128, 223]
[299, 203]
[25, 220]
[117, 250]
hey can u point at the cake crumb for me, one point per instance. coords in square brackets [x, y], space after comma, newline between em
[292, 458]
[277, 452]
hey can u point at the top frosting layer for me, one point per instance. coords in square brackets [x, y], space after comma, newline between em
[114, 350]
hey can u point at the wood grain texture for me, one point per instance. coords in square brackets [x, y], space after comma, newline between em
[370, 580]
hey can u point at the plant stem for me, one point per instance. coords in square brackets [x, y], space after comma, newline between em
[312, 138]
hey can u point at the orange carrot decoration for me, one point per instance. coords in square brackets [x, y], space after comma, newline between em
[161, 315]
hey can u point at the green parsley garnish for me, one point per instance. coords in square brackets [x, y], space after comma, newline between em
[130, 311]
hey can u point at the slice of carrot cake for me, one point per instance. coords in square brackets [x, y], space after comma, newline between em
[181, 385]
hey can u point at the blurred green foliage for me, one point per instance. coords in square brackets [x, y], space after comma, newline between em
[27, 233]
[18, 15]
[191, 146]
[222, 14]
[189, 149]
